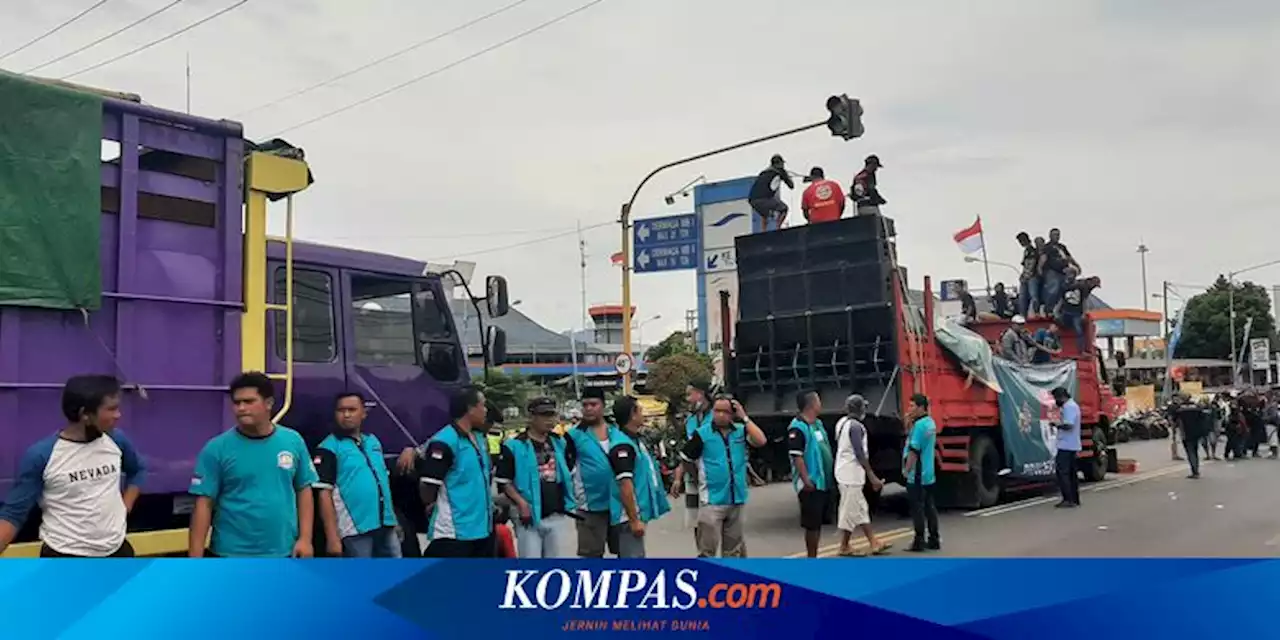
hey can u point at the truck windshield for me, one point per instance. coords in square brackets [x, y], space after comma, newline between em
[404, 322]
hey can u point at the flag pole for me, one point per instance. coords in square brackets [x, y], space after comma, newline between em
[986, 266]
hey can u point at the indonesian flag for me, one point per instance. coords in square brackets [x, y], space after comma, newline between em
[969, 239]
[616, 258]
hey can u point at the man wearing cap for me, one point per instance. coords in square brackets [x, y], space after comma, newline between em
[853, 471]
[1068, 448]
[1016, 344]
[864, 192]
[823, 200]
[534, 473]
[593, 483]
[764, 198]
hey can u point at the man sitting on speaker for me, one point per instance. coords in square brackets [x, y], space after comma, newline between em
[823, 200]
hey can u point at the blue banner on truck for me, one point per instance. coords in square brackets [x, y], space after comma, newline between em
[1027, 413]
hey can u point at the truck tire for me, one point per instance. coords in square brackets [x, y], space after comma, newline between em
[984, 471]
[1095, 469]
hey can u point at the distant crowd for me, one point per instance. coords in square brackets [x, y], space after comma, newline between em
[1248, 421]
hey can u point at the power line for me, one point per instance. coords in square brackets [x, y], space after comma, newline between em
[439, 70]
[56, 29]
[524, 243]
[412, 47]
[109, 36]
[157, 41]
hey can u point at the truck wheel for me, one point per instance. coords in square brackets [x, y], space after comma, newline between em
[984, 470]
[1095, 469]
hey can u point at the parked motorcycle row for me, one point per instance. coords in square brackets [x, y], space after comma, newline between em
[1149, 424]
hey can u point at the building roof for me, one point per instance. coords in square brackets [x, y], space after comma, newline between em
[524, 335]
[1159, 363]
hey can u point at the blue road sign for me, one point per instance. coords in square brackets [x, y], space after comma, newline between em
[669, 243]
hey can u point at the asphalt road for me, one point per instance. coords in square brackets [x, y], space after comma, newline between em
[1230, 511]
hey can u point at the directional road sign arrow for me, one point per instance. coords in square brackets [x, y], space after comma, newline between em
[643, 259]
[643, 232]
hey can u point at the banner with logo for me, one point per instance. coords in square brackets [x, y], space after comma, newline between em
[1028, 411]
[529, 600]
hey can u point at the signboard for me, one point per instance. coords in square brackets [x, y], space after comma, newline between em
[669, 243]
[721, 223]
[623, 364]
[950, 290]
[1260, 353]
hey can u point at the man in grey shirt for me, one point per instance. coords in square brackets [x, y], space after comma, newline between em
[853, 471]
[1016, 344]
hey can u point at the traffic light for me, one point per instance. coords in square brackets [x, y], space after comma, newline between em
[846, 117]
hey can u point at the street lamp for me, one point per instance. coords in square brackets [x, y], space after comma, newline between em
[973, 260]
[639, 326]
[1142, 253]
[1231, 313]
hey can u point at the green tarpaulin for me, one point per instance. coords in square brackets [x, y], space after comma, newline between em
[50, 195]
[1027, 410]
[969, 348]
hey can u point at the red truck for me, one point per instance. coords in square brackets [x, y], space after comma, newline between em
[824, 307]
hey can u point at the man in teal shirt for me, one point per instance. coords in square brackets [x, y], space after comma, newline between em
[812, 467]
[918, 468]
[253, 483]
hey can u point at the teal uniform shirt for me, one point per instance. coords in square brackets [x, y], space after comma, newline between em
[357, 473]
[459, 466]
[924, 435]
[254, 485]
[629, 458]
[809, 442]
[721, 457]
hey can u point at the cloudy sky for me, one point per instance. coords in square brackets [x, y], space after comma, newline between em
[1120, 121]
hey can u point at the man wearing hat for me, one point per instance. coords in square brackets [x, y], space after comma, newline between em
[1015, 343]
[533, 472]
[593, 481]
[823, 200]
[764, 198]
[697, 395]
[864, 192]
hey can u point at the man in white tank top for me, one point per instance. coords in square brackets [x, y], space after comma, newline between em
[853, 471]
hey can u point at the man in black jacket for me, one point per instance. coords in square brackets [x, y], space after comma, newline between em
[864, 192]
[1193, 422]
[764, 197]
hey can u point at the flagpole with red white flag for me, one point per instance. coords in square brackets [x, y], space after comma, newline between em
[972, 239]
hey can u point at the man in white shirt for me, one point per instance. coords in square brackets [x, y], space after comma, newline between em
[85, 478]
[853, 470]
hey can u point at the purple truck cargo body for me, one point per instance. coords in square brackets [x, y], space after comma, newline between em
[171, 311]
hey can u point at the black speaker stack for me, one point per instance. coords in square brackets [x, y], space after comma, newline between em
[815, 311]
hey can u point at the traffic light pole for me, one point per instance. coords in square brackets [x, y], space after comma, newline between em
[625, 221]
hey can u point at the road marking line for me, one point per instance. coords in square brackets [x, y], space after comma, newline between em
[859, 541]
[900, 535]
[1105, 485]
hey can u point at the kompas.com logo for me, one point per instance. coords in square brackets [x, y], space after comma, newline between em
[614, 589]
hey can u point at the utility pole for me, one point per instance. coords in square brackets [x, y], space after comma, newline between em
[1168, 322]
[573, 337]
[188, 82]
[1146, 297]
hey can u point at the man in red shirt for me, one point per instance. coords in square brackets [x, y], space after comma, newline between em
[823, 201]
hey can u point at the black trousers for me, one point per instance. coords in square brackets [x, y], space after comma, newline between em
[125, 551]
[1068, 476]
[451, 548]
[924, 511]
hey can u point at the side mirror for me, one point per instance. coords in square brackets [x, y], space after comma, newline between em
[496, 296]
[496, 341]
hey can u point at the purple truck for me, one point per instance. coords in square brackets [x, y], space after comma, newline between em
[178, 266]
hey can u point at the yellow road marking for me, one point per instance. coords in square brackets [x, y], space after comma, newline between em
[858, 542]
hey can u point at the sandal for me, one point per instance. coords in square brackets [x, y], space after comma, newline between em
[882, 549]
[854, 553]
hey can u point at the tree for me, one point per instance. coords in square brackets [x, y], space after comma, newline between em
[504, 390]
[1206, 322]
[679, 342]
[670, 377]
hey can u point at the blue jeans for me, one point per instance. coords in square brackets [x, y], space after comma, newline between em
[379, 543]
[550, 538]
[1075, 322]
[1029, 297]
[1051, 289]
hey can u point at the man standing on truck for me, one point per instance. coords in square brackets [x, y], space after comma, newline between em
[812, 467]
[592, 475]
[853, 470]
[85, 478]
[1029, 300]
[918, 468]
[1068, 448]
[253, 483]
[639, 498]
[534, 473]
[765, 198]
[355, 488]
[696, 394]
[718, 453]
[823, 200]
[1071, 304]
[455, 468]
